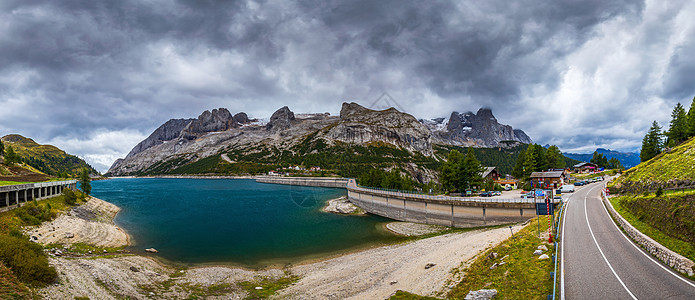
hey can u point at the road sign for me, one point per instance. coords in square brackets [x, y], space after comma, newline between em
[542, 209]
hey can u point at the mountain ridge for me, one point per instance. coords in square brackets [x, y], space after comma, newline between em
[290, 137]
[48, 159]
[627, 159]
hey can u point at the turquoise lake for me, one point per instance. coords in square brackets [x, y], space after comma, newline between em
[235, 221]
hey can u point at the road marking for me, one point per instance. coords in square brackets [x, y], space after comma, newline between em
[643, 253]
[586, 215]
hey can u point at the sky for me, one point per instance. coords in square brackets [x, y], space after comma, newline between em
[96, 77]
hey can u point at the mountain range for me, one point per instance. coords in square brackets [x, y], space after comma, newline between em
[218, 141]
[627, 159]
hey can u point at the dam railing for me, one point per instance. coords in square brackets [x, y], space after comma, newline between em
[352, 185]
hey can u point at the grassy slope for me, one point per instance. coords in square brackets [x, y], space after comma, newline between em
[678, 164]
[523, 276]
[46, 158]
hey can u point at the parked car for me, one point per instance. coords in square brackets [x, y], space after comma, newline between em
[485, 194]
[528, 195]
[497, 193]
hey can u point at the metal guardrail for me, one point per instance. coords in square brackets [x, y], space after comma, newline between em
[413, 194]
[555, 258]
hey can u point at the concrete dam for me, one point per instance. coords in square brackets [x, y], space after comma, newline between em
[441, 210]
[425, 209]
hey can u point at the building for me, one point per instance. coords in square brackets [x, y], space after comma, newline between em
[585, 167]
[553, 179]
[490, 173]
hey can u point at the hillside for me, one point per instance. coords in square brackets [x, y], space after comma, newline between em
[47, 159]
[627, 159]
[673, 169]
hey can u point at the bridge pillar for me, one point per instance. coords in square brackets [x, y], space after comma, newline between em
[7, 199]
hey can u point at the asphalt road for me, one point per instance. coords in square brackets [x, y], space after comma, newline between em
[599, 262]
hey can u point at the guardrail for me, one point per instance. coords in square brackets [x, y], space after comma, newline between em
[557, 237]
[412, 194]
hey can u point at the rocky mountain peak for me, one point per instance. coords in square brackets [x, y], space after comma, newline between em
[485, 113]
[280, 120]
[166, 132]
[478, 130]
[218, 120]
[241, 118]
[360, 125]
[459, 122]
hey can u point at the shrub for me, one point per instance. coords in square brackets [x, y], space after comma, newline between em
[69, 196]
[659, 192]
[26, 259]
[33, 214]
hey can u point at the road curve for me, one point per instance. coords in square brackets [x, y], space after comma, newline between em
[597, 260]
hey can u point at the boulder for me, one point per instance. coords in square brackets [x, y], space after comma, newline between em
[429, 265]
[69, 235]
[538, 252]
[543, 247]
[483, 294]
[134, 269]
[151, 250]
[494, 266]
[492, 255]
[544, 256]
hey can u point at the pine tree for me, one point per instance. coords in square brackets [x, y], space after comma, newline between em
[691, 120]
[85, 182]
[518, 171]
[11, 157]
[678, 129]
[614, 163]
[448, 176]
[529, 162]
[554, 157]
[2, 149]
[541, 159]
[651, 143]
[470, 171]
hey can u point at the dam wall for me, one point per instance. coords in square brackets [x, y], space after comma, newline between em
[441, 210]
[330, 182]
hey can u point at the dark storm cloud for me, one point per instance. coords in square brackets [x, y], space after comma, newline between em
[99, 69]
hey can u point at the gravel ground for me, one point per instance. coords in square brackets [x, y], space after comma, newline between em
[90, 223]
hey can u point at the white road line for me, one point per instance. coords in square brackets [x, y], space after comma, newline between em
[643, 253]
[586, 215]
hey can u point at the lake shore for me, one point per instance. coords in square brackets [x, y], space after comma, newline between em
[192, 177]
[373, 273]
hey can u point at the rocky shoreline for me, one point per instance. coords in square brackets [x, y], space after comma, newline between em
[413, 229]
[423, 267]
[343, 206]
